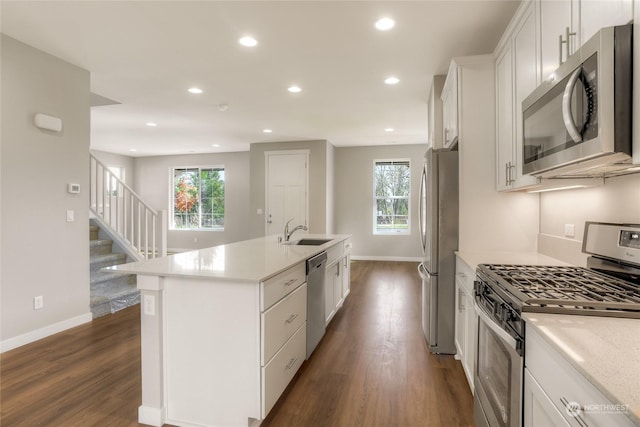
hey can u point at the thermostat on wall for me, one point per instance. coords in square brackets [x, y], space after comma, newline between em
[73, 188]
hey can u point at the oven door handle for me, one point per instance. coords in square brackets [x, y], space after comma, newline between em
[504, 335]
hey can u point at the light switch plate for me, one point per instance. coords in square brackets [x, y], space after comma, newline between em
[569, 230]
[71, 216]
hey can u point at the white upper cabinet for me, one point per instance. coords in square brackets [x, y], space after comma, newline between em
[595, 14]
[435, 112]
[556, 24]
[450, 107]
[504, 117]
[516, 77]
[576, 21]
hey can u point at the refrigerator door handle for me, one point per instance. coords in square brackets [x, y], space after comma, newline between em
[421, 209]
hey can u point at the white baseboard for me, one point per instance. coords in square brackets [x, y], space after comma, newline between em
[385, 258]
[38, 334]
[151, 416]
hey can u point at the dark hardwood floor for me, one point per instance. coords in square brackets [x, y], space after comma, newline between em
[372, 368]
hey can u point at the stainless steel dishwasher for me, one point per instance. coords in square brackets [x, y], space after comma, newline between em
[315, 300]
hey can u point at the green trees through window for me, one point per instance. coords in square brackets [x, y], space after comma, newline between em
[198, 198]
[392, 188]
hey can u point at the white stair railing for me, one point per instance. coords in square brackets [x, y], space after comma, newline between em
[138, 228]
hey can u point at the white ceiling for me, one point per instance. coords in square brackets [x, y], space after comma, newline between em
[146, 54]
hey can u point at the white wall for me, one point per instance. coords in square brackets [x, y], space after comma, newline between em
[318, 192]
[153, 184]
[354, 201]
[618, 201]
[42, 253]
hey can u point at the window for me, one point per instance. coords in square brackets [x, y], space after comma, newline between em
[391, 192]
[198, 198]
[112, 184]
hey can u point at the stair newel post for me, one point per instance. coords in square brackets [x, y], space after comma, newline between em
[154, 218]
[165, 227]
[146, 233]
[138, 227]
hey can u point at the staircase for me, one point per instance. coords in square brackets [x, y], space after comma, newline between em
[110, 292]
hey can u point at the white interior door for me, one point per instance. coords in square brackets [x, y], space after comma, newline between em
[286, 189]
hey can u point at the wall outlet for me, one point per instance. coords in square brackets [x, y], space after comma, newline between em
[149, 305]
[569, 230]
[71, 216]
[38, 302]
[258, 211]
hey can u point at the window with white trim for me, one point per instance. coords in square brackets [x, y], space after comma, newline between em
[391, 196]
[197, 198]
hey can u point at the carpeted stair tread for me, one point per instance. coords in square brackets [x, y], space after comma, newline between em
[110, 291]
[105, 276]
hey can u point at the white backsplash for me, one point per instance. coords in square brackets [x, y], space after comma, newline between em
[617, 201]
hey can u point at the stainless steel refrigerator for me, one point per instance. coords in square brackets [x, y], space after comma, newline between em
[438, 221]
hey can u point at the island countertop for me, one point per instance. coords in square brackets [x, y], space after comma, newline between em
[252, 260]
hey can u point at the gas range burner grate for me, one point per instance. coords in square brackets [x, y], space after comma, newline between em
[563, 289]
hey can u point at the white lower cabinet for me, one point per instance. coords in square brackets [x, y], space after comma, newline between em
[556, 394]
[466, 328]
[337, 278]
[539, 410]
[277, 374]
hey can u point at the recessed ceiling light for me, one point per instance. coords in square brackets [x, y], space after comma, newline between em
[248, 41]
[133, 150]
[215, 145]
[385, 24]
[195, 90]
[392, 80]
[389, 129]
[294, 89]
[151, 124]
[267, 131]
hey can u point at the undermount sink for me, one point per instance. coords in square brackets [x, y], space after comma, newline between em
[307, 242]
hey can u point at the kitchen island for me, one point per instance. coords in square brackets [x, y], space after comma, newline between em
[224, 329]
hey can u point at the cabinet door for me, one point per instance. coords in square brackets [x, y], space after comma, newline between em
[450, 108]
[329, 295]
[555, 17]
[526, 79]
[460, 322]
[337, 287]
[504, 118]
[538, 409]
[346, 276]
[596, 14]
[471, 339]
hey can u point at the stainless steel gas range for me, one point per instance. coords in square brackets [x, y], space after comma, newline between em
[609, 286]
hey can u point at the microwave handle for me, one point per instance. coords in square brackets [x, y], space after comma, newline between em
[566, 107]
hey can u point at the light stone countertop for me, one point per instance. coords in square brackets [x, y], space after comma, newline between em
[605, 350]
[473, 258]
[247, 261]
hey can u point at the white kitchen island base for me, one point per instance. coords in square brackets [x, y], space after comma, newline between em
[223, 331]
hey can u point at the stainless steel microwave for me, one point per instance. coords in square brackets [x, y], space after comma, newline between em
[578, 121]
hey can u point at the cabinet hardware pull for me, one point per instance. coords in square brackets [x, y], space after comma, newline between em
[567, 41]
[291, 318]
[506, 174]
[290, 282]
[291, 363]
[573, 410]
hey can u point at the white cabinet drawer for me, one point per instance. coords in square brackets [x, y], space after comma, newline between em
[281, 369]
[565, 385]
[282, 320]
[273, 289]
[334, 253]
[465, 275]
[348, 246]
